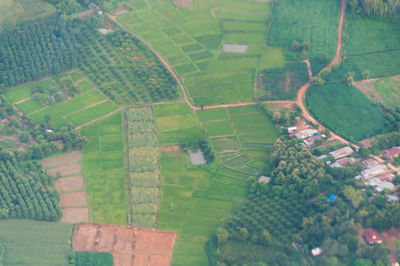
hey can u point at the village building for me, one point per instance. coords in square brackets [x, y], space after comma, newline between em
[292, 130]
[373, 171]
[322, 157]
[264, 179]
[372, 236]
[5, 122]
[306, 133]
[344, 162]
[393, 198]
[342, 152]
[311, 140]
[391, 153]
[316, 251]
[369, 163]
[385, 185]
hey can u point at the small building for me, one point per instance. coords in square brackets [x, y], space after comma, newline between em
[386, 177]
[303, 134]
[291, 130]
[316, 251]
[391, 153]
[373, 171]
[264, 179]
[342, 152]
[393, 198]
[5, 122]
[344, 162]
[330, 198]
[369, 163]
[384, 185]
[372, 236]
[311, 140]
[322, 157]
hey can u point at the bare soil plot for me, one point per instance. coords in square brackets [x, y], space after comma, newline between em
[65, 170]
[64, 159]
[170, 148]
[184, 3]
[235, 48]
[73, 199]
[75, 215]
[130, 245]
[66, 184]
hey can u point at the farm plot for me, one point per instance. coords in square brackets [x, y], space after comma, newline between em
[143, 167]
[70, 184]
[104, 171]
[192, 44]
[177, 125]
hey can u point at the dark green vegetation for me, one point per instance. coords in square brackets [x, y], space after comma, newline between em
[345, 110]
[144, 177]
[201, 145]
[93, 259]
[30, 242]
[104, 171]
[123, 67]
[282, 221]
[282, 83]
[36, 50]
[26, 191]
[379, 8]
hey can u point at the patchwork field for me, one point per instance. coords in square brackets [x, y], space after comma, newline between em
[104, 171]
[67, 168]
[26, 242]
[144, 173]
[191, 41]
[194, 199]
[37, 100]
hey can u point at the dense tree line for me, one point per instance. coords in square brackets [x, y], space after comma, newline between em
[379, 8]
[33, 51]
[26, 191]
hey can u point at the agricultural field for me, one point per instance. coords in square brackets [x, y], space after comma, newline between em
[144, 173]
[365, 49]
[192, 42]
[345, 110]
[194, 199]
[123, 68]
[86, 258]
[13, 11]
[52, 98]
[104, 170]
[26, 242]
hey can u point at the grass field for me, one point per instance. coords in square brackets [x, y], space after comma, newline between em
[345, 110]
[13, 11]
[26, 242]
[194, 200]
[191, 42]
[89, 104]
[104, 171]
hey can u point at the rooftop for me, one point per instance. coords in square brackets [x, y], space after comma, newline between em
[342, 152]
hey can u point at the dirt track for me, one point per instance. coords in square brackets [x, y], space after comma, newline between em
[130, 245]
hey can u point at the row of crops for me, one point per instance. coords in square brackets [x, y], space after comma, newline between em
[143, 166]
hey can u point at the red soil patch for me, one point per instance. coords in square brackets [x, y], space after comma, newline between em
[64, 159]
[66, 184]
[170, 148]
[73, 199]
[65, 170]
[184, 3]
[130, 245]
[75, 215]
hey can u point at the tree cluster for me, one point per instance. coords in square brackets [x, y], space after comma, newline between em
[36, 50]
[26, 193]
[379, 8]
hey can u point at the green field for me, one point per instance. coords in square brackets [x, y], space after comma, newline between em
[346, 111]
[29, 242]
[191, 41]
[100, 259]
[385, 91]
[104, 171]
[195, 199]
[13, 11]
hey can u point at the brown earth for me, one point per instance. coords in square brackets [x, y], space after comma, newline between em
[66, 170]
[73, 199]
[66, 184]
[64, 159]
[130, 245]
[75, 215]
[184, 3]
[170, 148]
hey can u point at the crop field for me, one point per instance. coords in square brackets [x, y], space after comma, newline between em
[176, 124]
[12, 11]
[193, 199]
[346, 111]
[26, 241]
[191, 42]
[144, 174]
[104, 171]
[313, 21]
[385, 91]
[366, 50]
[123, 68]
[89, 104]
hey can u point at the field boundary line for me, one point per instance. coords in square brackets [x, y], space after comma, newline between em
[99, 118]
[85, 108]
[22, 101]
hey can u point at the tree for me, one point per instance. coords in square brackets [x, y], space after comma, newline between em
[354, 196]
[243, 233]
[276, 117]
[318, 81]
[265, 237]
[222, 235]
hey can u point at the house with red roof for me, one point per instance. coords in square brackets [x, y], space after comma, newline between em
[372, 236]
